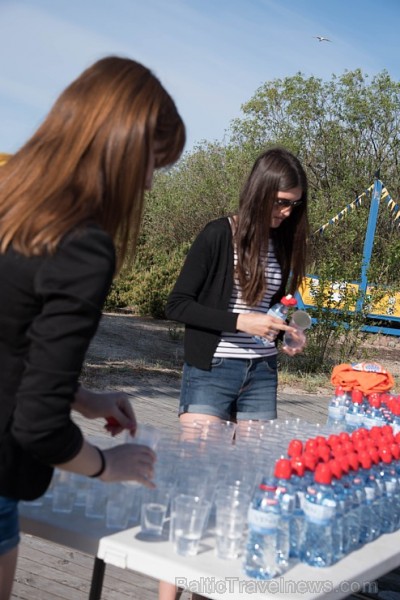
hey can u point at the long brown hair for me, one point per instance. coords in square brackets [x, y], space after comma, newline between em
[88, 160]
[275, 170]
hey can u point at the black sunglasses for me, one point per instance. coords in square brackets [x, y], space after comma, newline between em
[287, 203]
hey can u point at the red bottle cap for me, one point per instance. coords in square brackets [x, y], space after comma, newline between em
[344, 463]
[375, 432]
[321, 440]
[310, 445]
[323, 452]
[310, 460]
[353, 460]
[283, 469]
[333, 440]
[365, 460]
[359, 434]
[387, 431]
[289, 300]
[344, 436]
[384, 454]
[360, 445]
[335, 467]
[395, 450]
[357, 396]
[298, 466]
[374, 401]
[295, 448]
[323, 474]
[374, 454]
[348, 446]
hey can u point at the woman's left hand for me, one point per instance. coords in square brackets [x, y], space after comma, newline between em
[115, 407]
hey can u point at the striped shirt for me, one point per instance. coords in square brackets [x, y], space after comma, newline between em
[240, 344]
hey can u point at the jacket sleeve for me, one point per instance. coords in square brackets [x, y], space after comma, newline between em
[72, 286]
[189, 301]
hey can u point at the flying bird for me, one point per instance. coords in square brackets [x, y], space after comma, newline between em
[321, 38]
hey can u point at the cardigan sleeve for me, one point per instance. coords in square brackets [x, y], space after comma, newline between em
[72, 286]
[194, 300]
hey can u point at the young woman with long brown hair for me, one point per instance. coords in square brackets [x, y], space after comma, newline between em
[237, 268]
[71, 202]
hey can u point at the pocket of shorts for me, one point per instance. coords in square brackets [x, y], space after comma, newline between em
[271, 364]
[217, 362]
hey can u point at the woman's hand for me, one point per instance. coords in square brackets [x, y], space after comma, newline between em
[115, 407]
[262, 325]
[129, 462]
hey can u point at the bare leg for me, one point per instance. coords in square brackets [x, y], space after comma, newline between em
[168, 591]
[189, 418]
[8, 563]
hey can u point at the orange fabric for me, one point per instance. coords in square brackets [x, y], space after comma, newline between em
[367, 377]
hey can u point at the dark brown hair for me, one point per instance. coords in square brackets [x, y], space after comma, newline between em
[275, 170]
[88, 160]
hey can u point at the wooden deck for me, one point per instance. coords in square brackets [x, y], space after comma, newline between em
[48, 571]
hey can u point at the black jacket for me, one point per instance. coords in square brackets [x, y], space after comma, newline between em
[50, 307]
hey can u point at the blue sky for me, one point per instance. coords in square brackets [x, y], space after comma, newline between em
[212, 55]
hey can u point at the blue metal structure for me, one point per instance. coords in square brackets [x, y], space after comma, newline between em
[392, 313]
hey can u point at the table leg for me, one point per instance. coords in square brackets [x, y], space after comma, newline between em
[96, 586]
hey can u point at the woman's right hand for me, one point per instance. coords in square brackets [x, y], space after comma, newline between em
[129, 462]
[262, 325]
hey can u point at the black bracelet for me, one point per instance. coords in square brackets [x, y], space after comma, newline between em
[103, 463]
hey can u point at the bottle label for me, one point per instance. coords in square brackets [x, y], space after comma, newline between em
[320, 513]
[370, 493]
[353, 418]
[335, 412]
[262, 521]
[390, 487]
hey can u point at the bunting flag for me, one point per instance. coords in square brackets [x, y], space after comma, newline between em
[393, 206]
[355, 204]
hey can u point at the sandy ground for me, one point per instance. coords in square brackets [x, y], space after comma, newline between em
[127, 346]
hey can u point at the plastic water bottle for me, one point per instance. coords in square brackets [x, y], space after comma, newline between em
[391, 507]
[374, 416]
[354, 416]
[395, 410]
[371, 524]
[320, 507]
[291, 522]
[337, 410]
[261, 559]
[342, 498]
[359, 501]
[352, 516]
[279, 311]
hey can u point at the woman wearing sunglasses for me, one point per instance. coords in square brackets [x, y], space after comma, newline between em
[236, 269]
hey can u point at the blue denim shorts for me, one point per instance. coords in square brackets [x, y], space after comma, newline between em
[237, 388]
[9, 524]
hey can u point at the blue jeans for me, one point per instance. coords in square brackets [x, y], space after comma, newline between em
[237, 388]
[9, 524]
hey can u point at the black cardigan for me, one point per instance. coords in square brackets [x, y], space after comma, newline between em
[50, 307]
[201, 295]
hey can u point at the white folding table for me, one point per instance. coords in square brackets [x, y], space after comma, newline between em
[206, 574]
[219, 579]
